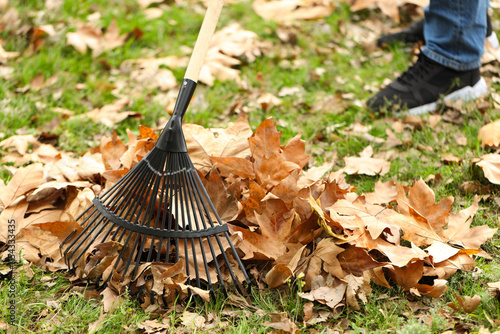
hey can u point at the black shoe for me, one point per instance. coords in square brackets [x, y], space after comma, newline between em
[410, 35]
[420, 88]
[415, 33]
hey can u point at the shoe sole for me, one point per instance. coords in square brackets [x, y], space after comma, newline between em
[493, 39]
[466, 94]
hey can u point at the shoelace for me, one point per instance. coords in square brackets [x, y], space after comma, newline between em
[421, 67]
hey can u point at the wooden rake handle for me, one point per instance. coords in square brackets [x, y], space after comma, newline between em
[203, 42]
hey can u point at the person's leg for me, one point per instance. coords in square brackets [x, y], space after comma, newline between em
[449, 63]
[415, 33]
[454, 32]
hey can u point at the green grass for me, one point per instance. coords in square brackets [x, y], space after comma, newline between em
[347, 69]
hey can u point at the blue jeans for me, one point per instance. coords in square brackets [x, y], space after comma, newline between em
[454, 32]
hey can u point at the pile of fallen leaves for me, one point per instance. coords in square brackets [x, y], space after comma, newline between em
[287, 222]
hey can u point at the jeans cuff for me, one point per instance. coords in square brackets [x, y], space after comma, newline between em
[450, 63]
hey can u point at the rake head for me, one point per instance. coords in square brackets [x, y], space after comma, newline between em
[158, 212]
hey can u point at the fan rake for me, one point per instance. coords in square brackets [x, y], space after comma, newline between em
[160, 211]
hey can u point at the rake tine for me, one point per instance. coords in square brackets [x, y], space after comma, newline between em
[81, 233]
[133, 178]
[167, 214]
[161, 182]
[83, 240]
[147, 205]
[147, 218]
[196, 207]
[185, 210]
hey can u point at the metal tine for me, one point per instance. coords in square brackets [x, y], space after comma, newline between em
[131, 211]
[161, 182]
[203, 190]
[139, 181]
[148, 206]
[196, 207]
[132, 207]
[132, 178]
[167, 214]
[146, 219]
[135, 172]
[226, 260]
[81, 233]
[68, 238]
[90, 223]
[203, 197]
[189, 216]
[84, 239]
[179, 215]
[196, 188]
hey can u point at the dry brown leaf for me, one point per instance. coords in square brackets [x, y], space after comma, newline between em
[465, 304]
[460, 233]
[422, 199]
[278, 275]
[90, 37]
[24, 180]
[490, 164]
[110, 299]
[494, 289]
[451, 159]
[20, 143]
[489, 135]
[365, 164]
[192, 320]
[384, 193]
[230, 142]
[236, 42]
[290, 10]
[285, 326]
[327, 295]
[388, 7]
[151, 73]
[111, 114]
[5, 55]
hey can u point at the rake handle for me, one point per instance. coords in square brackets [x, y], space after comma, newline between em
[203, 42]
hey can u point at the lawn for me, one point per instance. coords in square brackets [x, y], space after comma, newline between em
[75, 72]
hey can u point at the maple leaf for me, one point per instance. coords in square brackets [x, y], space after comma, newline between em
[459, 231]
[422, 199]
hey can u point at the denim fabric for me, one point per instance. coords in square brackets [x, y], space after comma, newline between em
[454, 32]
